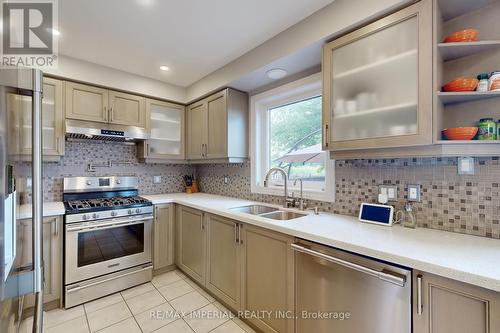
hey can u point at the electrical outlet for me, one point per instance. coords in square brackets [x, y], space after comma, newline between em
[226, 180]
[391, 191]
[413, 192]
[465, 165]
[156, 179]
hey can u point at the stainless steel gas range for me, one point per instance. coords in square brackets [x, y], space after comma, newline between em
[108, 237]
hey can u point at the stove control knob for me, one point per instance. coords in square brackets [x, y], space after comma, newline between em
[138, 210]
[118, 181]
[85, 217]
[114, 213]
[89, 182]
[95, 216]
[130, 212]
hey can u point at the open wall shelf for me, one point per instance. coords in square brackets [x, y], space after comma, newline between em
[460, 97]
[452, 51]
[463, 109]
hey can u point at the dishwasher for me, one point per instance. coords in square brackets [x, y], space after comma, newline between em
[340, 292]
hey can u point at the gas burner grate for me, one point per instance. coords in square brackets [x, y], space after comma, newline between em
[105, 202]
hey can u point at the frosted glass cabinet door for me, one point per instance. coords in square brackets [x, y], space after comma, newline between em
[52, 119]
[377, 83]
[167, 130]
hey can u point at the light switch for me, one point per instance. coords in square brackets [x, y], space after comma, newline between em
[156, 179]
[465, 165]
[413, 192]
[389, 191]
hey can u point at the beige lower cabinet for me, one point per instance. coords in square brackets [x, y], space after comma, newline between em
[164, 238]
[191, 242]
[268, 278]
[223, 277]
[448, 306]
[52, 256]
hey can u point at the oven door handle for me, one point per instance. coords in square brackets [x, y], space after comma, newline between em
[108, 225]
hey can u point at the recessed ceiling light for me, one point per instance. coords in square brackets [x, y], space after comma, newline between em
[276, 73]
[146, 3]
[164, 68]
[55, 32]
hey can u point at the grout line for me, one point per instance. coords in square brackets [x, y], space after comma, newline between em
[133, 316]
[86, 317]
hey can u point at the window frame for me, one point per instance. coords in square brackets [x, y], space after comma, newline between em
[260, 104]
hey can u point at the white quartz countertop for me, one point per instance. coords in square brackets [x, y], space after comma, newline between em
[470, 259]
[49, 209]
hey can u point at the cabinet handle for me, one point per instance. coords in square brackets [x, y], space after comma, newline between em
[239, 233]
[110, 114]
[236, 232]
[147, 149]
[419, 295]
[105, 113]
[56, 228]
[202, 226]
[206, 150]
[58, 144]
[325, 135]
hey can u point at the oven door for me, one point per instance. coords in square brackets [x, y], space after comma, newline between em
[96, 248]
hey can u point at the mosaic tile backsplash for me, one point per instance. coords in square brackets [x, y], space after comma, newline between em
[451, 202]
[79, 154]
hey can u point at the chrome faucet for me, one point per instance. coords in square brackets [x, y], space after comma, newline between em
[286, 200]
[301, 203]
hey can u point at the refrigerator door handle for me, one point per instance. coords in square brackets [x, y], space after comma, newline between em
[36, 116]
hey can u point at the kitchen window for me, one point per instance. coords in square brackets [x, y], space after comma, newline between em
[286, 132]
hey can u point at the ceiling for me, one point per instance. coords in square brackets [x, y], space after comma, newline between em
[192, 37]
[307, 59]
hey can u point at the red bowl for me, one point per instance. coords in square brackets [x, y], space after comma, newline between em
[467, 35]
[460, 133]
[461, 84]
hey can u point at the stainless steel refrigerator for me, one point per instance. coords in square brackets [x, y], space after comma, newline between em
[20, 186]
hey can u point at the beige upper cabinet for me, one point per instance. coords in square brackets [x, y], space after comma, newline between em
[164, 238]
[217, 127]
[84, 102]
[127, 109]
[196, 130]
[90, 103]
[191, 242]
[52, 120]
[377, 90]
[166, 122]
[217, 138]
[268, 278]
[224, 259]
[442, 305]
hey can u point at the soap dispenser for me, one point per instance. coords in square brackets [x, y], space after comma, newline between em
[409, 218]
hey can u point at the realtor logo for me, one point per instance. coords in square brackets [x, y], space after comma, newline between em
[28, 33]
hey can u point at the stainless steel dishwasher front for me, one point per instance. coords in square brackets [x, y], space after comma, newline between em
[340, 292]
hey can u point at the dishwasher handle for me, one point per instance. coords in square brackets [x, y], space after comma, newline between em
[383, 275]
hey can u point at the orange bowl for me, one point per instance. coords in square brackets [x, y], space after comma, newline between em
[460, 133]
[461, 84]
[467, 35]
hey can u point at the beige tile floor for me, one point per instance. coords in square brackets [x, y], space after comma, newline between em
[171, 303]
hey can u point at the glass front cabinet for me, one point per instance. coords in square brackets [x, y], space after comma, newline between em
[20, 106]
[376, 83]
[166, 122]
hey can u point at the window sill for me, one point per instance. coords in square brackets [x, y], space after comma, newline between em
[307, 194]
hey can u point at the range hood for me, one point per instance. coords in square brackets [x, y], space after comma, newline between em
[104, 131]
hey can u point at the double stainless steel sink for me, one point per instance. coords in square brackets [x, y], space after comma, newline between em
[268, 212]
